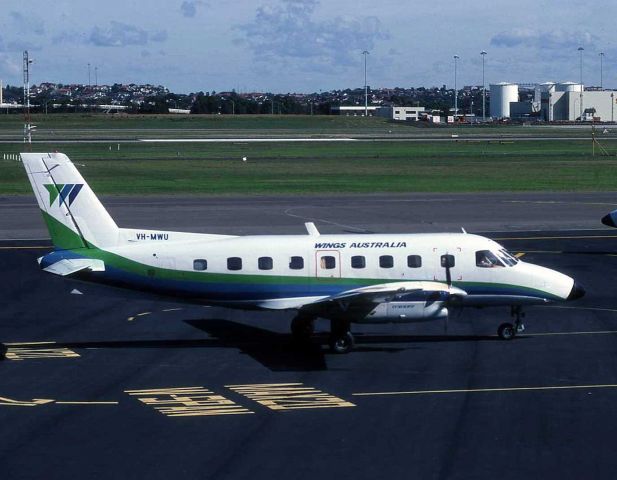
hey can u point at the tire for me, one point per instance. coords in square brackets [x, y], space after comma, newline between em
[506, 331]
[342, 343]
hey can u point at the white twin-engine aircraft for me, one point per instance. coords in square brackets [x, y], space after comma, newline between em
[344, 278]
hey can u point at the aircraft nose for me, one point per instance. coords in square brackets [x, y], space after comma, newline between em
[608, 220]
[577, 291]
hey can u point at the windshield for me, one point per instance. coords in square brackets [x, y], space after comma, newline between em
[487, 259]
[507, 257]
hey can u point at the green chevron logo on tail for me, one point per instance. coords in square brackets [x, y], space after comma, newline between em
[64, 191]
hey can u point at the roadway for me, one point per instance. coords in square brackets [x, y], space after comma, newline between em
[97, 384]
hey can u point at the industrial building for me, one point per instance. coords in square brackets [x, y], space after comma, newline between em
[354, 110]
[401, 113]
[553, 102]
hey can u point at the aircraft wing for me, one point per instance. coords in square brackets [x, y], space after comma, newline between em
[366, 298]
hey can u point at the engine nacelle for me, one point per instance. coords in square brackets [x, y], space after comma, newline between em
[404, 312]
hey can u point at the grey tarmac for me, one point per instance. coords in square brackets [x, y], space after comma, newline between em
[99, 384]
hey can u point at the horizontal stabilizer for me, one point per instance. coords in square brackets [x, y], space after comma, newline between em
[68, 266]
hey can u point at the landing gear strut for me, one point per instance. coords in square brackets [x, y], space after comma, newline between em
[507, 331]
[341, 339]
[302, 327]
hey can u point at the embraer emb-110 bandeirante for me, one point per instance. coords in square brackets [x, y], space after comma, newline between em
[344, 278]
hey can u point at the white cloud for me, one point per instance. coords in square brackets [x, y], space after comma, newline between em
[289, 32]
[120, 34]
[552, 40]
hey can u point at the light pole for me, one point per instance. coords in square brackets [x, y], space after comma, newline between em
[581, 49]
[483, 53]
[601, 54]
[456, 57]
[365, 53]
[89, 82]
[96, 76]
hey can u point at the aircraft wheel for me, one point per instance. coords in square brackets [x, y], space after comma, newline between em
[302, 328]
[342, 342]
[506, 331]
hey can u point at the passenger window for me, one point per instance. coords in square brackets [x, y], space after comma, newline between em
[328, 262]
[414, 261]
[447, 261]
[386, 261]
[487, 259]
[296, 263]
[264, 263]
[200, 264]
[234, 263]
[358, 261]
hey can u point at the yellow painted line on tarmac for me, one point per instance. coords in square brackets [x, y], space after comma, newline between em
[24, 353]
[554, 202]
[590, 332]
[596, 309]
[188, 402]
[488, 390]
[574, 237]
[519, 254]
[289, 396]
[27, 343]
[9, 402]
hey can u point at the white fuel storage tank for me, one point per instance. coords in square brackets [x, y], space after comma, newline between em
[501, 95]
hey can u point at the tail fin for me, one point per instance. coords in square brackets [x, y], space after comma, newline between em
[74, 215]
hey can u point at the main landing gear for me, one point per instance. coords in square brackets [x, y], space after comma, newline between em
[341, 340]
[508, 331]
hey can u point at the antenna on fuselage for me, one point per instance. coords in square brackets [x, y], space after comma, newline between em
[463, 230]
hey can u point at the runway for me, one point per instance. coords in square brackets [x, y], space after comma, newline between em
[98, 385]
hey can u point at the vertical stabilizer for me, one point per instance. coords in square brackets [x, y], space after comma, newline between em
[74, 215]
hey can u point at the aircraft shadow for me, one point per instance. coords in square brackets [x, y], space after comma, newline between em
[276, 351]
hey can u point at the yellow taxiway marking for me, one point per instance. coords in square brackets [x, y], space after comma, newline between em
[289, 396]
[597, 309]
[23, 353]
[488, 390]
[574, 237]
[519, 254]
[27, 343]
[24, 403]
[188, 402]
[591, 332]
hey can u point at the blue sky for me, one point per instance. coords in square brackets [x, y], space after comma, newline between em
[306, 45]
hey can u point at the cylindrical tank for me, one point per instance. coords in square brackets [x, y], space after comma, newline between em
[547, 87]
[501, 95]
[568, 87]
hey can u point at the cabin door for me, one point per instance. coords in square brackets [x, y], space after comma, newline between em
[327, 264]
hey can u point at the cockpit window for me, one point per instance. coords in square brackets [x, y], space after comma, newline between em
[507, 257]
[487, 259]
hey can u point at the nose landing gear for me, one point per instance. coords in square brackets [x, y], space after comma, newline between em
[508, 331]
